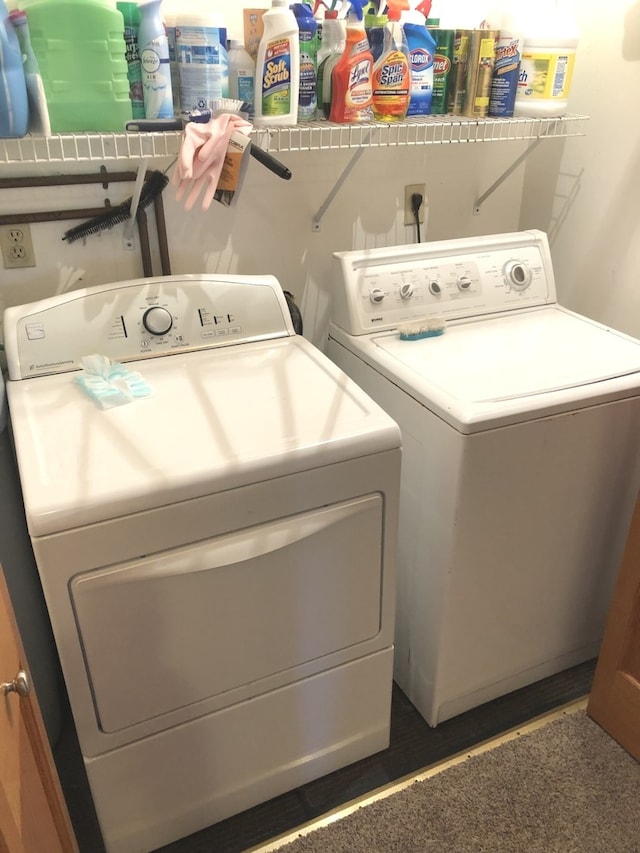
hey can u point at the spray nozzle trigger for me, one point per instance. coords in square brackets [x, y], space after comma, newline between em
[355, 8]
[395, 7]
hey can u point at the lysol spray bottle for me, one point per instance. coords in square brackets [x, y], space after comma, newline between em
[308, 43]
[392, 71]
[422, 51]
[278, 68]
[154, 58]
[352, 77]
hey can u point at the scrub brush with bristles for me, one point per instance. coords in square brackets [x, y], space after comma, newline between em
[151, 189]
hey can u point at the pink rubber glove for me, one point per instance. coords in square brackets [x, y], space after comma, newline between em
[201, 157]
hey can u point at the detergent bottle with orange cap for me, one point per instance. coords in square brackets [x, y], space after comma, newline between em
[351, 94]
[392, 70]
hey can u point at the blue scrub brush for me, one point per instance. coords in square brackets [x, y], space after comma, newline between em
[428, 327]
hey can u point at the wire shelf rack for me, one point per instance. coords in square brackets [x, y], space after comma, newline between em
[311, 136]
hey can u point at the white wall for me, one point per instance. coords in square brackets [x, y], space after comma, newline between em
[587, 192]
[269, 230]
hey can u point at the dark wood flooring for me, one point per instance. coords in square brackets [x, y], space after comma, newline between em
[414, 745]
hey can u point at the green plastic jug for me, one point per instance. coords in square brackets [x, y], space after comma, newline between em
[80, 48]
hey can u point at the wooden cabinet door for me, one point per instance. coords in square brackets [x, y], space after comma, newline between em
[614, 702]
[33, 814]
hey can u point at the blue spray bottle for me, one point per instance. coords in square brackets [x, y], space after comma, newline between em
[422, 50]
[14, 103]
[308, 28]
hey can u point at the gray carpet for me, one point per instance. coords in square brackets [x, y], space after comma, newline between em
[564, 788]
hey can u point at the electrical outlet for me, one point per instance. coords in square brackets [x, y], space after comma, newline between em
[17, 248]
[409, 216]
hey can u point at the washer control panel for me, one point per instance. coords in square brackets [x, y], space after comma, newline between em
[142, 318]
[453, 279]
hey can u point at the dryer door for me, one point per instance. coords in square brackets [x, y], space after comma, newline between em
[287, 597]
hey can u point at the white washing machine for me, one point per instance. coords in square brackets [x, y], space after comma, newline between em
[520, 467]
[217, 558]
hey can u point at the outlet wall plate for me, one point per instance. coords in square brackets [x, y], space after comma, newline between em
[16, 245]
[409, 218]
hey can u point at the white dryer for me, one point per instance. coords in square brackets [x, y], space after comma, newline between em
[521, 430]
[218, 558]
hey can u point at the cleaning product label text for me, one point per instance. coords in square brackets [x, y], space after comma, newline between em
[203, 65]
[359, 92]
[545, 75]
[420, 58]
[504, 83]
[276, 79]
[156, 82]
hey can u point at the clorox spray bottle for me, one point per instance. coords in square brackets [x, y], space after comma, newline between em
[392, 70]
[422, 52]
[352, 76]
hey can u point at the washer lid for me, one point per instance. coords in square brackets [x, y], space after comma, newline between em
[505, 369]
[217, 420]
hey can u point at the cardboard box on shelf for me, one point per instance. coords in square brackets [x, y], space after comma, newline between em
[253, 30]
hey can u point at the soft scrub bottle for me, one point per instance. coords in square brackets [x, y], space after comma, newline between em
[278, 68]
[353, 74]
[392, 70]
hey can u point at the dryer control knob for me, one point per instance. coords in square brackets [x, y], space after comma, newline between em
[157, 320]
[376, 295]
[518, 275]
[464, 282]
[434, 287]
[406, 291]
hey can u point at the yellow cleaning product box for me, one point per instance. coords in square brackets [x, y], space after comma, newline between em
[253, 30]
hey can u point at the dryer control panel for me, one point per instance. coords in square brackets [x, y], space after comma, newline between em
[142, 318]
[453, 279]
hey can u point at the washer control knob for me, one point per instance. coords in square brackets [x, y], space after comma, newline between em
[464, 282]
[157, 320]
[376, 295]
[434, 287]
[406, 291]
[518, 275]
